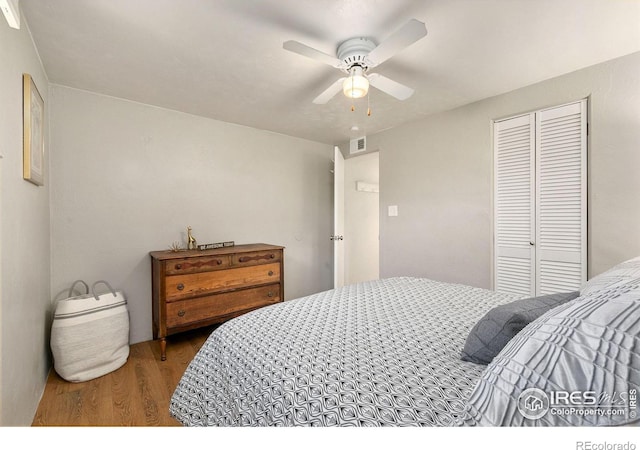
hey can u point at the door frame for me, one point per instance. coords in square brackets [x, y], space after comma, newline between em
[338, 218]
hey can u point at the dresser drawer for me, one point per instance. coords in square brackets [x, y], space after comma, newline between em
[180, 286]
[195, 265]
[255, 258]
[185, 312]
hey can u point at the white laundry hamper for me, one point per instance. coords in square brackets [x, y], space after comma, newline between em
[90, 334]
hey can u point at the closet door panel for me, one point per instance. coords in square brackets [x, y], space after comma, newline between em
[561, 199]
[514, 205]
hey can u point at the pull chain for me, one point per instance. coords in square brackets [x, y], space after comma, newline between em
[353, 107]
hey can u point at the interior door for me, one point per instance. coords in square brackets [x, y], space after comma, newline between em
[541, 201]
[338, 218]
[514, 188]
[561, 198]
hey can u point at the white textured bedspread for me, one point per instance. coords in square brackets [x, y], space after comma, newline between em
[379, 353]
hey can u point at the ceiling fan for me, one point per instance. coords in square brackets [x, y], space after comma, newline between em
[356, 56]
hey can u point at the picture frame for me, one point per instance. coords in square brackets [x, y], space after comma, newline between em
[33, 132]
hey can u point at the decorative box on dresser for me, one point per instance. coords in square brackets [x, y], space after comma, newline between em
[196, 288]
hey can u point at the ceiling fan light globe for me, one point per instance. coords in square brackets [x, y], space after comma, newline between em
[355, 86]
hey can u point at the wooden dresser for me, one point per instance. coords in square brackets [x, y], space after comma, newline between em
[196, 288]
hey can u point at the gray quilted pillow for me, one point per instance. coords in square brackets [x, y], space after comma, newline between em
[618, 274]
[503, 322]
[577, 365]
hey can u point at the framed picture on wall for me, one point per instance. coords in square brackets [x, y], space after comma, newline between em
[33, 132]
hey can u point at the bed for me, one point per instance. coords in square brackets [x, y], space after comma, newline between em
[388, 353]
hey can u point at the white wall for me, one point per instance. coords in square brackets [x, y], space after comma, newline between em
[129, 178]
[24, 241]
[439, 172]
[361, 219]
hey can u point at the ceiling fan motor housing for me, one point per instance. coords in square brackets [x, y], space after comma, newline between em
[354, 51]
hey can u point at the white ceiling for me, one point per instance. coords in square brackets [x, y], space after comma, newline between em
[224, 58]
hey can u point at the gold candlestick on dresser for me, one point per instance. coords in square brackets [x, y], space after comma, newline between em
[192, 244]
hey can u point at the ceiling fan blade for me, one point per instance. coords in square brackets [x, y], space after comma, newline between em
[305, 50]
[330, 92]
[393, 88]
[411, 32]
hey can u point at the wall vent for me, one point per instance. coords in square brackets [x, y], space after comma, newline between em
[358, 145]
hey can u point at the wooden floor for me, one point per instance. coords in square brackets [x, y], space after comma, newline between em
[137, 394]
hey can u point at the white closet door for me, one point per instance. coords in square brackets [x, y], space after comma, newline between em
[514, 207]
[561, 188]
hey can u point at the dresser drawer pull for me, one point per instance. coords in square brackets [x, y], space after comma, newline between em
[180, 286]
[270, 273]
[256, 258]
[270, 294]
[199, 264]
[181, 313]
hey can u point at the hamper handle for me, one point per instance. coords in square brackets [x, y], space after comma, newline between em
[93, 288]
[86, 286]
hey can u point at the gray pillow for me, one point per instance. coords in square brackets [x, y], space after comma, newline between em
[617, 275]
[503, 322]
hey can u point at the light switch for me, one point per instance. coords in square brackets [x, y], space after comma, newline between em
[393, 210]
